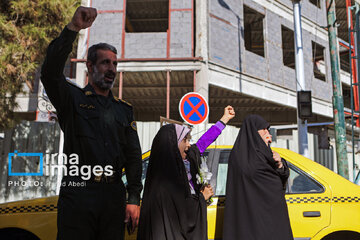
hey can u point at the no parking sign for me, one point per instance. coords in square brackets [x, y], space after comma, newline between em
[193, 108]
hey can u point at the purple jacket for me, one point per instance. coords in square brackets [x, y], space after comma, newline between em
[209, 136]
[205, 140]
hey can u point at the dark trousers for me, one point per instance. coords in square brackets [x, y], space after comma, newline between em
[92, 212]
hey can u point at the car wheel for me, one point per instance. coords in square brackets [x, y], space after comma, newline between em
[343, 235]
[16, 234]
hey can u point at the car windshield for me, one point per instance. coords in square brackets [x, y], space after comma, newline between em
[222, 173]
[299, 181]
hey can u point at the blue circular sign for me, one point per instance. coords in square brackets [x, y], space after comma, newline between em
[193, 108]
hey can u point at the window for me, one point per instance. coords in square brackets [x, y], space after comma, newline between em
[344, 60]
[318, 61]
[300, 182]
[346, 96]
[288, 47]
[254, 31]
[317, 3]
[222, 173]
[147, 16]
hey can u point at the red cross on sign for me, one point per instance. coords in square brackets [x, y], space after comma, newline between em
[193, 108]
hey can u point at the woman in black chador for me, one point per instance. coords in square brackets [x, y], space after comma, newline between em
[170, 210]
[174, 202]
[255, 207]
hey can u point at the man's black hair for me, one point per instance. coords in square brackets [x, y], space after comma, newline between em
[92, 52]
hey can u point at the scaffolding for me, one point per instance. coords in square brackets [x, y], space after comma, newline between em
[354, 74]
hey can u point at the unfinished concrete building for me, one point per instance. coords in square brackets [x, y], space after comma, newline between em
[233, 52]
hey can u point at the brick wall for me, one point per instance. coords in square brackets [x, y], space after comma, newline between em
[108, 28]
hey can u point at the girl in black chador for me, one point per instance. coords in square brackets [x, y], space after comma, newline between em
[174, 203]
[255, 207]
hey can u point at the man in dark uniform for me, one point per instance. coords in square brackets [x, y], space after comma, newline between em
[100, 129]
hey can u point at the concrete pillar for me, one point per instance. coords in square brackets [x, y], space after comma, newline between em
[81, 74]
[202, 81]
[201, 34]
[202, 47]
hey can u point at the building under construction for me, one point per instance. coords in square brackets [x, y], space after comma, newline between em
[233, 52]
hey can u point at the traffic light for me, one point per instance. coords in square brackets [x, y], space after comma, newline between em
[304, 104]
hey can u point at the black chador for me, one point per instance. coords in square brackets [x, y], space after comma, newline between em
[255, 207]
[169, 211]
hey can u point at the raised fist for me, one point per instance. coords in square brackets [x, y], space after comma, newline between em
[229, 113]
[83, 18]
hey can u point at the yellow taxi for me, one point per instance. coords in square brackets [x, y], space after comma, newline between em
[322, 204]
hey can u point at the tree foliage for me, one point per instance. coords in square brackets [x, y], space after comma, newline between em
[26, 29]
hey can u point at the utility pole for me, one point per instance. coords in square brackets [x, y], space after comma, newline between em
[300, 77]
[338, 101]
[357, 49]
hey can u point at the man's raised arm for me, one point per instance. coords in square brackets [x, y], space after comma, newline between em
[58, 51]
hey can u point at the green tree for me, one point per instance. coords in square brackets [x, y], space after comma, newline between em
[26, 29]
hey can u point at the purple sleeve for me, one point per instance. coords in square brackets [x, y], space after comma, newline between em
[209, 136]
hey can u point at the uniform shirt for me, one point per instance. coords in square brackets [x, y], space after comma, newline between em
[101, 130]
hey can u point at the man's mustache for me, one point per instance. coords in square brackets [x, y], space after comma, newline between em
[111, 75]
